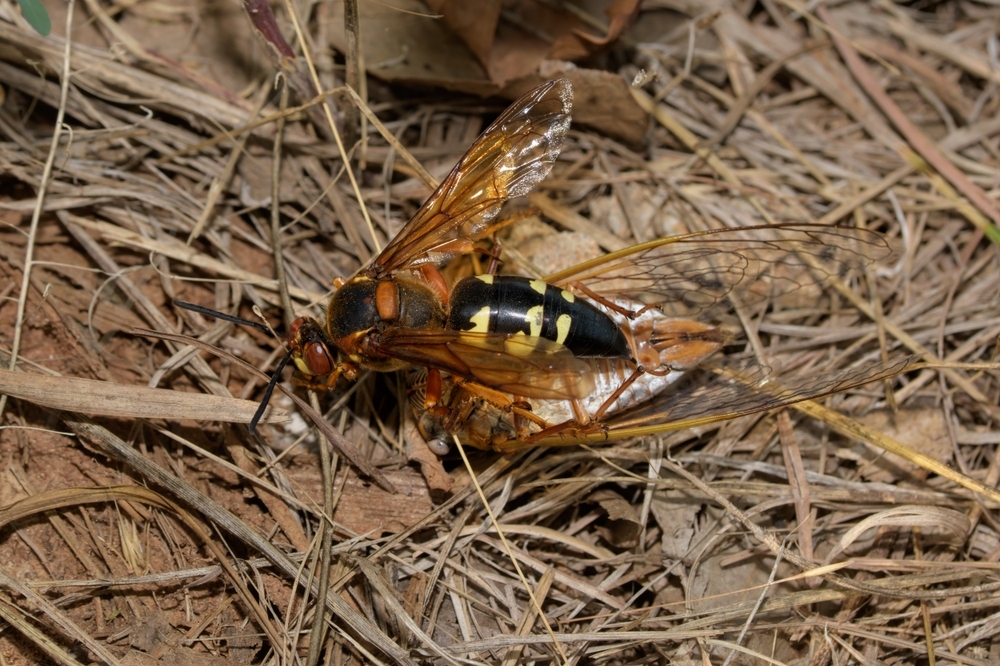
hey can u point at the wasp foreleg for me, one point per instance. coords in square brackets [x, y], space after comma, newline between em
[432, 394]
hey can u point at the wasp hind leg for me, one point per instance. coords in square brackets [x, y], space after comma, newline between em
[524, 418]
[611, 305]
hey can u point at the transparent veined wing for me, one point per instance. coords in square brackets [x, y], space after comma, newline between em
[514, 154]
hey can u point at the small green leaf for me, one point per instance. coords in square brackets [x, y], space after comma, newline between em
[36, 16]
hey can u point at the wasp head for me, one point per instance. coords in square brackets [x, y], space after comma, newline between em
[312, 352]
[351, 316]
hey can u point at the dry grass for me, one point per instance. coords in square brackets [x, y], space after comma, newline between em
[133, 533]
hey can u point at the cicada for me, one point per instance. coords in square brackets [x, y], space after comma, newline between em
[550, 360]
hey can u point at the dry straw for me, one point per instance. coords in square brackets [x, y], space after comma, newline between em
[128, 178]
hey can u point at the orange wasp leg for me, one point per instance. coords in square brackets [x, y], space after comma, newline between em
[584, 422]
[432, 394]
[522, 412]
[432, 276]
[614, 307]
[475, 394]
[492, 396]
[501, 401]
[328, 384]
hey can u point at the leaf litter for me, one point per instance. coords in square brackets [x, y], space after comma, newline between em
[139, 530]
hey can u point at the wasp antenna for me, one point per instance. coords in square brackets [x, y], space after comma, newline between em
[268, 391]
[223, 316]
[253, 324]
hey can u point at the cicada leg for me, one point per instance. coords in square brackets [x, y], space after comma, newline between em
[566, 428]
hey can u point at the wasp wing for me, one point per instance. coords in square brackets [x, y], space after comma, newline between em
[525, 366]
[506, 161]
[689, 275]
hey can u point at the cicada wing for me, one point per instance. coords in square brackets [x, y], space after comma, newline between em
[514, 154]
[743, 387]
[686, 276]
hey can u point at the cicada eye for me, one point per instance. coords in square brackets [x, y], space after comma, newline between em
[439, 446]
[317, 359]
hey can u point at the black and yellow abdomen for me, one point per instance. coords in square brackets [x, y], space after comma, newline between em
[518, 305]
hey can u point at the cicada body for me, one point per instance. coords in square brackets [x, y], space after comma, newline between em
[663, 347]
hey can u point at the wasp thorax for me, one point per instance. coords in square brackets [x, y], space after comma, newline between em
[364, 309]
[352, 310]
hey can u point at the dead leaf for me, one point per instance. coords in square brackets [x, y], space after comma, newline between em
[583, 44]
[513, 42]
[243, 644]
[405, 44]
[438, 480]
[715, 585]
[675, 512]
[623, 527]
[153, 633]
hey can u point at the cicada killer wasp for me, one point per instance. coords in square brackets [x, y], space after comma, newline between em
[513, 360]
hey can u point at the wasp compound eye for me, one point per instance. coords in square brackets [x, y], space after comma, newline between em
[317, 359]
